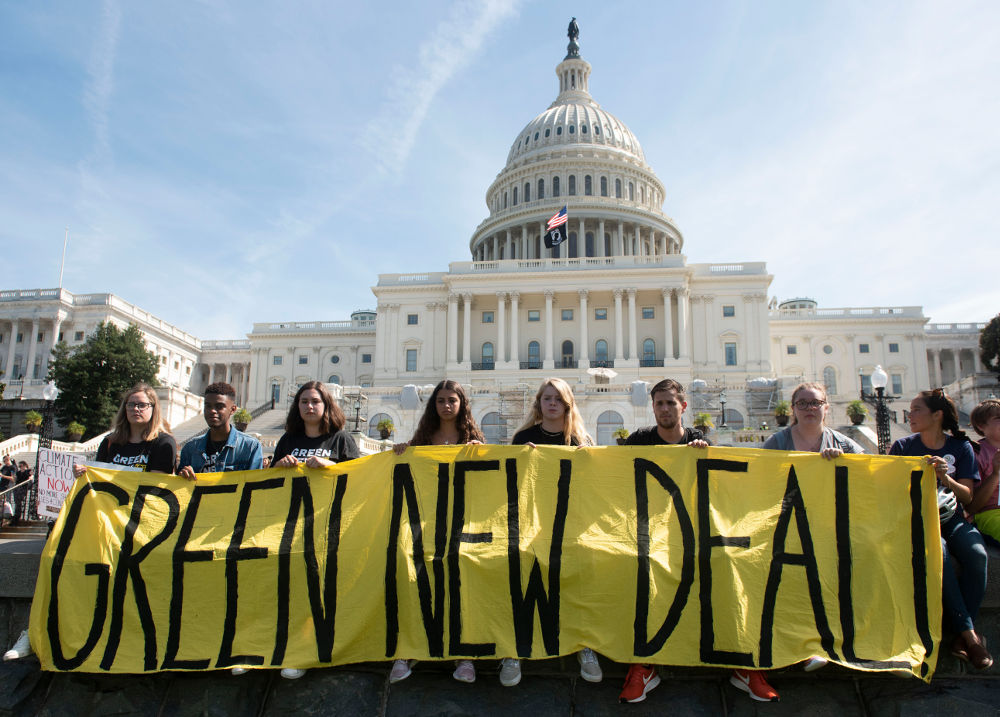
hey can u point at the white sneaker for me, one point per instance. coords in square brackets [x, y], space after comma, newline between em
[590, 668]
[465, 671]
[21, 648]
[510, 672]
[237, 671]
[290, 673]
[814, 663]
[401, 669]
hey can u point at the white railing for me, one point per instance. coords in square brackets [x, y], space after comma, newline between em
[434, 277]
[285, 326]
[28, 443]
[954, 328]
[903, 312]
[503, 266]
[225, 345]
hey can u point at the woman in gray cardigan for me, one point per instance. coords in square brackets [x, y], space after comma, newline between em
[808, 431]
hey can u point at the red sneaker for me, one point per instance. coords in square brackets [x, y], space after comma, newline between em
[640, 680]
[754, 684]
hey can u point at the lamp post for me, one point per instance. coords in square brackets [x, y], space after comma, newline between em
[879, 380]
[50, 393]
[722, 402]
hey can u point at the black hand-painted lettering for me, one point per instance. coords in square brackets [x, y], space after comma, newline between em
[103, 572]
[919, 561]
[433, 615]
[845, 570]
[642, 646]
[525, 602]
[707, 541]
[792, 503]
[235, 553]
[128, 569]
[181, 556]
[458, 536]
[322, 599]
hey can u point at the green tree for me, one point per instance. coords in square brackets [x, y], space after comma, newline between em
[91, 378]
[989, 345]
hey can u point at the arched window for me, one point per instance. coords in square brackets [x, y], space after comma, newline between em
[607, 244]
[505, 200]
[589, 247]
[648, 350]
[607, 423]
[604, 186]
[631, 193]
[572, 185]
[527, 191]
[555, 186]
[372, 423]
[534, 356]
[601, 350]
[572, 245]
[514, 197]
[493, 428]
[334, 378]
[830, 380]
[567, 354]
[588, 185]
[488, 352]
[734, 419]
[618, 189]
[541, 189]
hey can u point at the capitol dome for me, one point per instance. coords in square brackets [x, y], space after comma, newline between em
[578, 155]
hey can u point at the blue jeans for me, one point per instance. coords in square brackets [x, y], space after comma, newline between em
[963, 547]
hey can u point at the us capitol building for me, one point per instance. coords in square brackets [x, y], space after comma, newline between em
[614, 308]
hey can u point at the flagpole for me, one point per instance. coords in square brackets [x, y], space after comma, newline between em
[62, 265]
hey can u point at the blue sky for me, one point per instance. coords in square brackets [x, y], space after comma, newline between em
[220, 163]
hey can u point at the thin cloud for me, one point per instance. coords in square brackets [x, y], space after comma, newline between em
[101, 71]
[390, 136]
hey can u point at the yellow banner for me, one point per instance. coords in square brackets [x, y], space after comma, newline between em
[671, 555]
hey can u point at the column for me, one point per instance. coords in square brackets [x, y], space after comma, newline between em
[617, 293]
[501, 354]
[467, 326]
[936, 367]
[697, 329]
[510, 246]
[581, 241]
[633, 346]
[11, 344]
[584, 351]
[548, 362]
[56, 328]
[452, 329]
[496, 247]
[515, 347]
[708, 316]
[682, 316]
[640, 249]
[748, 327]
[620, 244]
[541, 244]
[668, 326]
[29, 367]
[600, 240]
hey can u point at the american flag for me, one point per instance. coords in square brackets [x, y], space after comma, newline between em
[558, 219]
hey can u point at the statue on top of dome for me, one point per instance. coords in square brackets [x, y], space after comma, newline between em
[573, 49]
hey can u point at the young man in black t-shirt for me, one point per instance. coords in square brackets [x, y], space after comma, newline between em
[668, 407]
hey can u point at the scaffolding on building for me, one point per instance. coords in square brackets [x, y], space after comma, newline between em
[514, 403]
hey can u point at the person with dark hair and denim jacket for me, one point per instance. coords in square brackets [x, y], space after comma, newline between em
[222, 447]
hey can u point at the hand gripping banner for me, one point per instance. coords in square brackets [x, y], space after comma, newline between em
[672, 555]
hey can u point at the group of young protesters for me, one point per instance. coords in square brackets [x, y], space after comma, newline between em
[967, 477]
